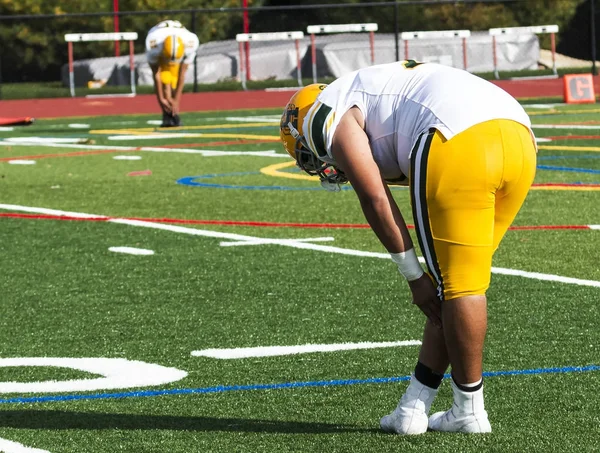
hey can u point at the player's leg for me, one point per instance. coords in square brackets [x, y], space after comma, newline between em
[457, 180]
[411, 414]
[493, 162]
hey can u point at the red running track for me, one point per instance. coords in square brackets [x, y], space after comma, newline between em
[225, 100]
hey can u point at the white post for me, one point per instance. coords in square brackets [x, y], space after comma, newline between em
[535, 29]
[341, 28]
[442, 34]
[71, 38]
[276, 36]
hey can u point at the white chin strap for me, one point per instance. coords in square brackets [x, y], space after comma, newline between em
[295, 133]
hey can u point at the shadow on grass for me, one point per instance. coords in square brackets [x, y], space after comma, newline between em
[57, 420]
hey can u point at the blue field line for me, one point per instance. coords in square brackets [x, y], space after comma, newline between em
[283, 385]
[569, 169]
[191, 181]
[582, 156]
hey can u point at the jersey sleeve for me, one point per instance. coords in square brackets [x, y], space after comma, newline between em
[191, 47]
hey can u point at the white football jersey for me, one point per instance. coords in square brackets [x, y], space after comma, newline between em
[402, 100]
[156, 37]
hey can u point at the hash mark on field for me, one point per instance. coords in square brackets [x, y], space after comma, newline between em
[131, 250]
[271, 351]
[21, 162]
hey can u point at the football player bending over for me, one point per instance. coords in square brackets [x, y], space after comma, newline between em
[170, 48]
[466, 150]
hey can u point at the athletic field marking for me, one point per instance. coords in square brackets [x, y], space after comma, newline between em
[250, 223]
[6, 129]
[131, 250]
[21, 162]
[79, 126]
[565, 126]
[249, 119]
[574, 137]
[145, 130]
[287, 243]
[45, 140]
[154, 122]
[275, 170]
[115, 373]
[127, 157]
[562, 112]
[156, 149]
[593, 149]
[272, 351]
[277, 241]
[280, 386]
[162, 136]
[71, 154]
[543, 106]
[8, 446]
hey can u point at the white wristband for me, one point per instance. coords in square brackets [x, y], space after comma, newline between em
[408, 264]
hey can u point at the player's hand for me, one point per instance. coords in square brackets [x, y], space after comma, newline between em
[175, 106]
[166, 105]
[425, 296]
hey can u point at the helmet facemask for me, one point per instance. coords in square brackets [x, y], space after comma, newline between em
[330, 176]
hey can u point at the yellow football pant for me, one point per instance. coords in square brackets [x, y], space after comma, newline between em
[169, 74]
[465, 193]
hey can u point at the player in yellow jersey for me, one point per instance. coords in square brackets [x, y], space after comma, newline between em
[170, 49]
[466, 150]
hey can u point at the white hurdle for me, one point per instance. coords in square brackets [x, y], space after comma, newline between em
[408, 36]
[312, 30]
[70, 38]
[275, 36]
[536, 29]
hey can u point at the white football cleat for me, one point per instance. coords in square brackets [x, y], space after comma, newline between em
[467, 414]
[410, 416]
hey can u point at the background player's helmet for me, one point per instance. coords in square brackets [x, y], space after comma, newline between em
[173, 49]
[293, 137]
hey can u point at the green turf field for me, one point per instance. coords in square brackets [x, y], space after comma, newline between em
[106, 352]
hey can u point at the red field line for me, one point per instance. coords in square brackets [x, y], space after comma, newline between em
[19, 215]
[574, 137]
[230, 142]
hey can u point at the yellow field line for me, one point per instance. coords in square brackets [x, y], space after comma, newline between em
[573, 187]
[593, 149]
[273, 170]
[559, 112]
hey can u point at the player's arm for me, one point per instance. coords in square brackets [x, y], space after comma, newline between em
[183, 67]
[352, 153]
[159, 89]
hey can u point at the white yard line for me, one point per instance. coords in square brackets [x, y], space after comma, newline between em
[271, 351]
[156, 149]
[252, 119]
[288, 243]
[565, 126]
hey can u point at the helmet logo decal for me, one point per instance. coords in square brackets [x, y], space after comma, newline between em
[290, 116]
